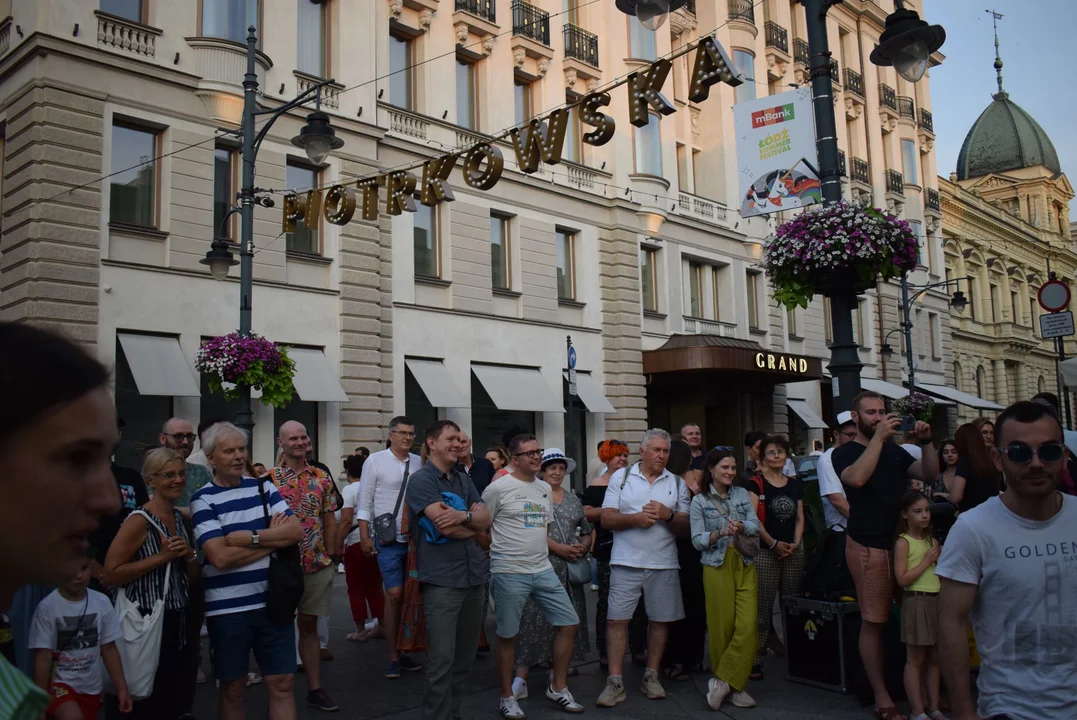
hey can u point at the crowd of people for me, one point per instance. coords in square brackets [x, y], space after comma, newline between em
[691, 554]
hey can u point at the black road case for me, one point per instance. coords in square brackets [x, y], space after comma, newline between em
[821, 640]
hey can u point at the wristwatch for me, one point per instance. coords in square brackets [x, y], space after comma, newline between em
[467, 521]
[671, 514]
[922, 443]
[255, 540]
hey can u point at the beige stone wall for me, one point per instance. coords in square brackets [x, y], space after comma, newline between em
[471, 277]
[623, 363]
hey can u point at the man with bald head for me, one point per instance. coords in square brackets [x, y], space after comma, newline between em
[178, 434]
[309, 493]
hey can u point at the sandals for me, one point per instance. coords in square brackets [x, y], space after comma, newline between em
[677, 673]
[360, 636]
[888, 713]
[757, 674]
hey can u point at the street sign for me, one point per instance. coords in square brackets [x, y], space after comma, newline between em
[572, 377]
[1054, 296]
[1056, 325]
[572, 359]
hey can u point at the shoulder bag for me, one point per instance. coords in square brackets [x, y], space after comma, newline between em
[579, 571]
[285, 587]
[747, 546]
[385, 524]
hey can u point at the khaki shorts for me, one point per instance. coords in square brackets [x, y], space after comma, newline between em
[870, 568]
[317, 592]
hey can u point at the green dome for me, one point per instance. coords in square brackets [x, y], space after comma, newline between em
[1005, 137]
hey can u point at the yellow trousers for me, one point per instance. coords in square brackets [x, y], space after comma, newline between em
[732, 609]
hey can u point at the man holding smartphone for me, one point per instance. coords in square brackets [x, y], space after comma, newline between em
[875, 473]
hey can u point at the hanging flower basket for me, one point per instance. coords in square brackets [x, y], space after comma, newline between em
[834, 248]
[917, 404]
[233, 361]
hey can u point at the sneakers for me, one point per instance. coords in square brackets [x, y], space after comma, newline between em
[594, 587]
[564, 700]
[937, 715]
[650, 685]
[253, 678]
[510, 709]
[613, 693]
[741, 699]
[320, 699]
[393, 671]
[716, 692]
[409, 665]
[519, 688]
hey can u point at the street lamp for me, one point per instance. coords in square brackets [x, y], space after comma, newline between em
[907, 43]
[317, 138]
[651, 13]
[958, 302]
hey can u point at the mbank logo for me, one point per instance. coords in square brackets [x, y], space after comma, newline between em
[772, 116]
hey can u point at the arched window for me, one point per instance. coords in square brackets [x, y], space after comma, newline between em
[1041, 384]
[980, 382]
[957, 375]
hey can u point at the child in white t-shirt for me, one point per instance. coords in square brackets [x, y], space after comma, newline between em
[73, 630]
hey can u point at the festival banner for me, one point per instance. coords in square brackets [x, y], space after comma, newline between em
[776, 153]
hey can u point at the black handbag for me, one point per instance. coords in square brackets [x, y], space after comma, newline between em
[286, 578]
[385, 524]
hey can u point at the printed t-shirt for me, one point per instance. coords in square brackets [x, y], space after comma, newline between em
[781, 503]
[310, 494]
[75, 630]
[520, 512]
[873, 508]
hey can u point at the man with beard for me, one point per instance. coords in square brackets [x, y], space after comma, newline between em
[876, 472]
[178, 434]
[1007, 566]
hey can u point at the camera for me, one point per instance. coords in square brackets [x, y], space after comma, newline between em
[908, 424]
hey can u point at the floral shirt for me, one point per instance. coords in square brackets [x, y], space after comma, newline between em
[310, 495]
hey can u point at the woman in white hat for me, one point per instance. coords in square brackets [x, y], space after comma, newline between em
[569, 542]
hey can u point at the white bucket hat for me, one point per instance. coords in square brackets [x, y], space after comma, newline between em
[556, 455]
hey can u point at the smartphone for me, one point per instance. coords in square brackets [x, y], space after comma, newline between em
[908, 424]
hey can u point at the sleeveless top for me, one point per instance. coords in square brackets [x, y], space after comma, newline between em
[146, 590]
[928, 581]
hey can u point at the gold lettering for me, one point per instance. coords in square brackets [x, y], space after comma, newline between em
[339, 205]
[760, 362]
[781, 363]
[803, 365]
[314, 208]
[711, 66]
[539, 139]
[399, 189]
[591, 115]
[295, 208]
[434, 186]
[370, 198]
[477, 176]
[644, 89]
[770, 361]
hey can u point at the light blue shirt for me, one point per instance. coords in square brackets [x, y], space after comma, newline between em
[706, 518]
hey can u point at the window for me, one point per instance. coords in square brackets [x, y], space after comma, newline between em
[311, 38]
[958, 380]
[995, 302]
[909, 159]
[573, 150]
[400, 72]
[126, 9]
[744, 63]
[522, 100]
[695, 290]
[133, 198]
[858, 324]
[648, 142]
[791, 322]
[141, 413]
[715, 273]
[571, 10]
[229, 19]
[566, 265]
[224, 189]
[980, 382]
[641, 41]
[499, 252]
[753, 300]
[1016, 308]
[828, 325]
[648, 268]
[682, 168]
[427, 260]
[697, 173]
[300, 178]
[466, 94]
[970, 292]
[933, 334]
[917, 230]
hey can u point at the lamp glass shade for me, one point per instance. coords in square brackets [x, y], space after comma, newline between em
[886, 351]
[959, 302]
[218, 268]
[652, 14]
[317, 148]
[911, 60]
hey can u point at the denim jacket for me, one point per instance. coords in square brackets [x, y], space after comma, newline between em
[706, 518]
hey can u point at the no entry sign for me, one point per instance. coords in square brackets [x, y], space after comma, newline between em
[1054, 296]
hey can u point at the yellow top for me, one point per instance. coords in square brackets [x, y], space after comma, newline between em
[928, 580]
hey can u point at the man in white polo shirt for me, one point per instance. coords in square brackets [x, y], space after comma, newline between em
[645, 506]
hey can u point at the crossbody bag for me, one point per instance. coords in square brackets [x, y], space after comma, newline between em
[385, 524]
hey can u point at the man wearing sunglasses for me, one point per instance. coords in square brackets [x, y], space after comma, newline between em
[1010, 564]
[178, 434]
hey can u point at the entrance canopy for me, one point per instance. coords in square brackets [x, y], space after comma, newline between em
[315, 380]
[436, 383]
[809, 416]
[686, 353]
[590, 391]
[896, 392]
[158, 365]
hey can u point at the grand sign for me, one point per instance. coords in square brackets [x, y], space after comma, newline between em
[783, 363]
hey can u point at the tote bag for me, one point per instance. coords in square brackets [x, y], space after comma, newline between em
[140, 637]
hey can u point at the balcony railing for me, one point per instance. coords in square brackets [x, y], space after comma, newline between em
[581, 44]
[776, 36]
[926, 122]
[888, 97]
[743, 10]
[800, 51]
[531, 22]
[842, 169]
[484, 9]
[701, 208]
[906, 107]
[835, 71]
[895, 182]
[861, 172]
[932, 201]
[699, 326]
[854, 82]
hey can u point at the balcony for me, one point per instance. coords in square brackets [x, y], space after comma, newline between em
[932, 201]
[801, 60]
[482, 9]
[776, 36]
[581, 45]
[699, 326]
[842, 168]
[835, 72]
[926, 122]
[693, 206]
[220, 65]
[888, 97]
[888, 108]
[906, 108]
[861, 172]
[895, 183]
[854, 82]
[778, 58]
[126, 36]
[531, 22]
[743, 10]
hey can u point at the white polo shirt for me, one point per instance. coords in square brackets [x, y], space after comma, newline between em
[379, 486]
[653, 548]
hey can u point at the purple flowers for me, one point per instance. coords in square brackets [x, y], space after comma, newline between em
[243, 361]
[917, 404]
[835, 237]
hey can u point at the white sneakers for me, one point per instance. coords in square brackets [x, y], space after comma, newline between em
[510, 707]
[741, 699]
[563, 698]
[716, 692]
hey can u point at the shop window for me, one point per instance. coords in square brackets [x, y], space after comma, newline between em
[489, 423]
[133, 192]
[417, 407]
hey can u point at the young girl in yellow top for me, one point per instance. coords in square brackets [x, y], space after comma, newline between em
[915, 554]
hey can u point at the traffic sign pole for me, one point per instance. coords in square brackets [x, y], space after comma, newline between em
[1060, 346]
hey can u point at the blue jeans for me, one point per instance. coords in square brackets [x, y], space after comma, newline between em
[233, 635]
[512, 590]
[393, 563]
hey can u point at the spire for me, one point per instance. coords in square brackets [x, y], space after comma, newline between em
[995, 17]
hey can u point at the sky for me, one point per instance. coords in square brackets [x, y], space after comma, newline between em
[1037, 43]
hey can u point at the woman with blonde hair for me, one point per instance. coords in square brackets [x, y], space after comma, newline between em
[152, 544]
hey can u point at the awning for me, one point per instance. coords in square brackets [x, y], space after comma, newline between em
[805, 413]
[894, 392]
[436, 383]
[315, 380]
[158, 365]
[589, 390]
[704, 353]
[518, 388]
[957, 396]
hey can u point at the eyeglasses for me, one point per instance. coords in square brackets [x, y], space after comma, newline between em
[775, 453]
[182, 437]
[530, 453]
[723, 448]
[1021, 453]
[405, 433]
[174, 475]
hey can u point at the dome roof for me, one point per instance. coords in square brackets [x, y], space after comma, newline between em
[1005, 137]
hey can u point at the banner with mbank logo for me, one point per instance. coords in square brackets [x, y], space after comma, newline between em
[776, 153]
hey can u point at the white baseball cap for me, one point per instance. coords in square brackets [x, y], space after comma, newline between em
[844, 418]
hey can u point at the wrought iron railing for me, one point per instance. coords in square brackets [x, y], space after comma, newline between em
[854, 82]
[926, 121]
[776, 36]
[932, 201]
[861, 172]
[581, 44]
[531, 22]
[895, 182]
[801, 53]
[842, 170]
[906, 107]
[742, 10]
[888, 97]
[485, 9]
[835, 71]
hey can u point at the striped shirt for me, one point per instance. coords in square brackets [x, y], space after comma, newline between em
[20, 698]
[217, 511]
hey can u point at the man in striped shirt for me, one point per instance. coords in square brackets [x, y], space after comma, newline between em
[230, 527]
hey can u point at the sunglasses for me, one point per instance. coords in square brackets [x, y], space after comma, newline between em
[723, 448]
[1021, 453]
